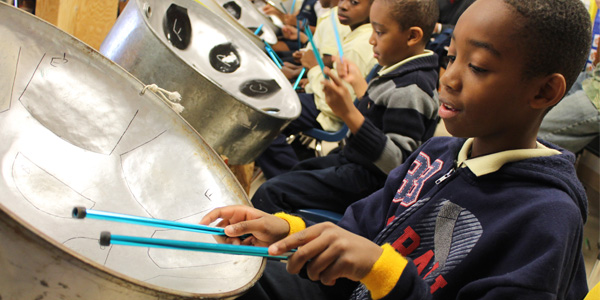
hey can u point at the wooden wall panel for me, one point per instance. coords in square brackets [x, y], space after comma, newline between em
[87, 20]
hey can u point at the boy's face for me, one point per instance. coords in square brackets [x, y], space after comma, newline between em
[388, 40]
[354, 12]
[483, 93]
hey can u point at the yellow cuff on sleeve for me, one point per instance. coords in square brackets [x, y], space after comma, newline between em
[296, 223]
[385, 273]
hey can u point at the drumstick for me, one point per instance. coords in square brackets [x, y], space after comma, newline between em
[283, 7]
[315, 50]
[337, 37]
[293, 6]
[106, 239]
[82, 212]
[273, 55]
[299, 78]
[257, 31]
[298, 28]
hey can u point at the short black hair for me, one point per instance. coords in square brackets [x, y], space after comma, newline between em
[555, 35]
[415, 13]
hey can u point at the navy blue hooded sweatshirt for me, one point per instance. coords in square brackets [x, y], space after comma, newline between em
[514, 233]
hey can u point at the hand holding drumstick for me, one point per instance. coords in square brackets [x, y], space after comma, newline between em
[328, 251]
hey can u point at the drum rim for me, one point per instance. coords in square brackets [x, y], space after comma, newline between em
[89, 264]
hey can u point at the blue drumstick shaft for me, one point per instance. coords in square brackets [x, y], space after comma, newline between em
[258, 29]
[337, 37]
[293, 6]
[81, 212]
[299, 78]
[273, 55]
[315, 51]
[107, 239]
[283, 7]
[298, 28]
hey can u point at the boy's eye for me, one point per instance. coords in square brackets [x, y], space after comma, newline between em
[477, 69]
[448, 60]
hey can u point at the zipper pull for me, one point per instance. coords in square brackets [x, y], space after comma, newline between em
[445, 176]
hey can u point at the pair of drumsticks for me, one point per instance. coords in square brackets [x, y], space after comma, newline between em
[106, 238]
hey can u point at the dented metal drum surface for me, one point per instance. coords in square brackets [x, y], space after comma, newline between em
[76, 131]
[233, 94]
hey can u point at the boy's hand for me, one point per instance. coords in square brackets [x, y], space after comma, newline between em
[341, 103]
[290, 70]
[308, 59]
[297, 55]
[240, 219]
[270, 10]
[289, 32]
[329, 252]
[348, 71]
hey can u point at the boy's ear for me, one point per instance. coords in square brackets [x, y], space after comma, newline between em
[415, 36]
[551, 91]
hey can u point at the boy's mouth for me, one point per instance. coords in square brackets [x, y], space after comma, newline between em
[447, 111]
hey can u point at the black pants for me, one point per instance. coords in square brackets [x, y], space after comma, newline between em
[331, 183]
[277, 284]
[280, 157]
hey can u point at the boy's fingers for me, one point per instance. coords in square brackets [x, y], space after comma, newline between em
[292, 242]
[211, 216]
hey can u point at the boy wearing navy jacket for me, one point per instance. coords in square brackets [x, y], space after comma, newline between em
[396, 113]
[498, 215]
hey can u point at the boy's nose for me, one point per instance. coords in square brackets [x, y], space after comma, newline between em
[450, 80]
[342, 5]
[372, 39]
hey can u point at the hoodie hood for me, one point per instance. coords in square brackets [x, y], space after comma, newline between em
[556, 170]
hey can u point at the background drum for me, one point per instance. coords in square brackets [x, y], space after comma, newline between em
[233, 94]
[246, 18]
[77, 132]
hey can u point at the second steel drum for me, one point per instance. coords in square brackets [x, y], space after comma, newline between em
[233, 94]
[246, 17]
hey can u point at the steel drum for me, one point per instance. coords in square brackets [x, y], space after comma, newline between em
[76, 131]
[247, 18]
[233, 94]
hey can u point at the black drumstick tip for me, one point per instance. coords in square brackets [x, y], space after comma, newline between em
[79, 212]
[105, 238]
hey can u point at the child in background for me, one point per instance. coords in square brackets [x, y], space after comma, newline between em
[394, 116]
[324, 39]
[496, 216]
[280, 157]
[306, 13]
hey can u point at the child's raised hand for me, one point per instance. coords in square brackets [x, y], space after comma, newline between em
[289, 32]
[240, 219]
[348, 71]
[271, 10]
[290, 70]
[308, 59]
[341, 103]
[337, 95]
[329, 252]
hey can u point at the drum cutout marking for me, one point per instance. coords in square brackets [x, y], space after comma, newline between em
[177, 26]
[224, 58]
[259, 88]
[233, 9]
